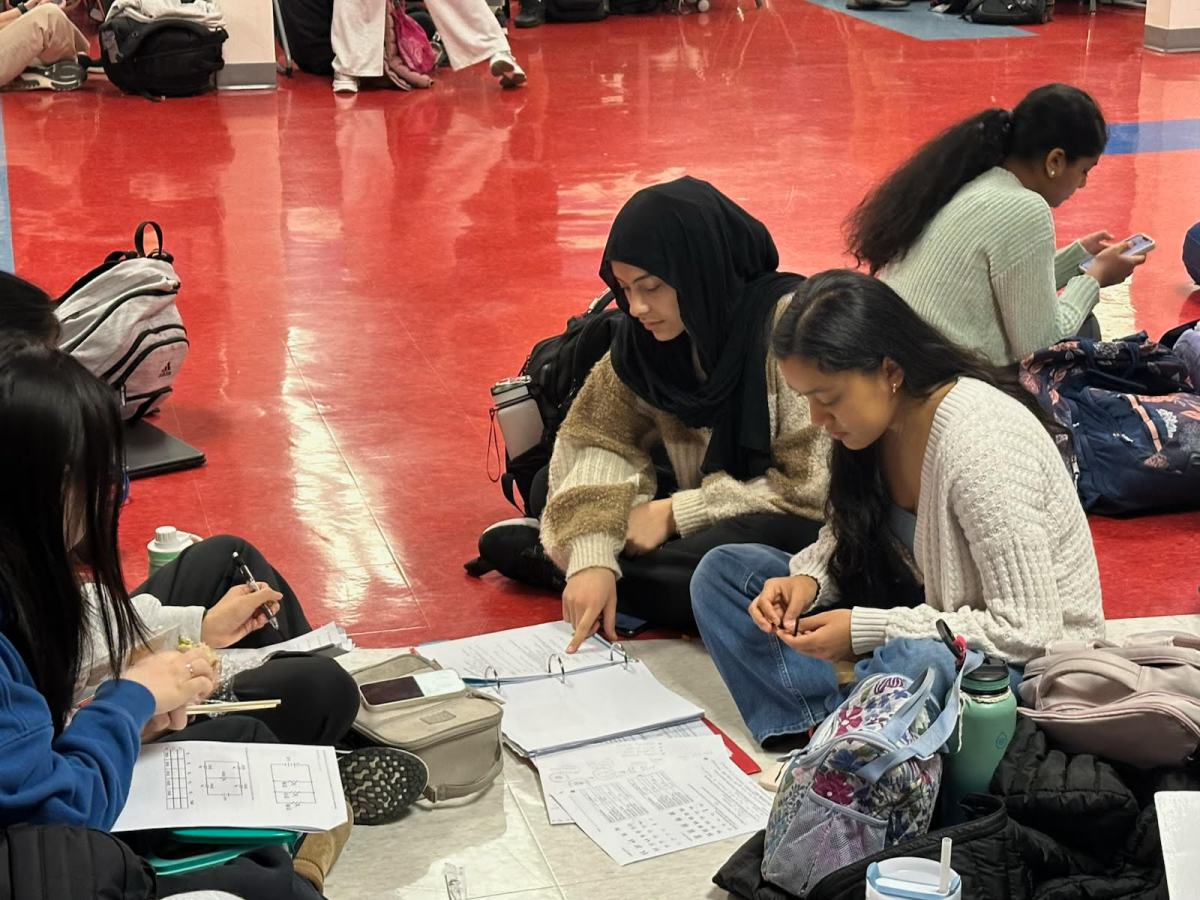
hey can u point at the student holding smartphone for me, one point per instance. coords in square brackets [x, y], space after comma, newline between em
[964, 233]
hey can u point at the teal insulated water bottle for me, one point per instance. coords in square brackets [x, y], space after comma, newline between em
[989, 715]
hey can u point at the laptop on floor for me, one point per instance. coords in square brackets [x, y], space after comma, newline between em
[151, 451]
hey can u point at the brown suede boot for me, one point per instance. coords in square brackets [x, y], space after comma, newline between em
[318, 852]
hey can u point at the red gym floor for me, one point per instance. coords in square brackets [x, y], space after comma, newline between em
[357, 271]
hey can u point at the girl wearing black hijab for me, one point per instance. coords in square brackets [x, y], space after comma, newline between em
[688, 373]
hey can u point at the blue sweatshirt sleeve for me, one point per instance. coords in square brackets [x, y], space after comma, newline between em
[80, 777]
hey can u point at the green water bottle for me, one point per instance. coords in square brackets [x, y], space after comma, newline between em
[989, 715]
[168, 543]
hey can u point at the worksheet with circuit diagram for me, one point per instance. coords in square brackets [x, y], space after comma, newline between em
[203, 784]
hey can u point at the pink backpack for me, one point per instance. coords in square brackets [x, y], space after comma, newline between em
[411, 42]
[1137, 702]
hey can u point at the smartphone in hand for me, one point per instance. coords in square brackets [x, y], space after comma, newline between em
[1138, 244]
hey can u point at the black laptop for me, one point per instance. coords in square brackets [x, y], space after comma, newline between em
[151, 451]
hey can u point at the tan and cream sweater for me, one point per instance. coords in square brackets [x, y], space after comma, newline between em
[601, 468]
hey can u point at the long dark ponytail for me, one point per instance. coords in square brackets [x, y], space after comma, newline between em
[890, 219]
[61, 473]
[845, 320]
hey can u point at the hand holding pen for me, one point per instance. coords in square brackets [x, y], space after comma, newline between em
[245, 608]
[240, 564]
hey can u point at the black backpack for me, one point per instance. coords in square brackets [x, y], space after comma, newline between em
[633, 7]
[62, 862]
[557, 368]
[576, 10]
[167, 57]
[1009, 12]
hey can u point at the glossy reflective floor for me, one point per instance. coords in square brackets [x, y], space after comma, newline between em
[358, 270]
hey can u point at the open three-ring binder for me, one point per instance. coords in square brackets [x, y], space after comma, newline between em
[559, 701]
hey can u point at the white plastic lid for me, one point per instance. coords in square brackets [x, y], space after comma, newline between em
[168, 537]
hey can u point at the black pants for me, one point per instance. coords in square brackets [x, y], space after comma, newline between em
[320, 700]
[657, 586]
[264, 874]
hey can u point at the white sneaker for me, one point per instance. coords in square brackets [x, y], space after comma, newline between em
[344, 84]
[506, 69]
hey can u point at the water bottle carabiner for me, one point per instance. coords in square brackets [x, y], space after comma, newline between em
[957, 644]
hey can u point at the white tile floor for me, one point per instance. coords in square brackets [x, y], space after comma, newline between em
[508, 849]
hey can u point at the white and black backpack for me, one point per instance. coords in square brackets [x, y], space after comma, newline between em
[121, 322]
[162, 48]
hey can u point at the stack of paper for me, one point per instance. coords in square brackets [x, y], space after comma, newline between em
[521, 654]
[653, 797]
[328, 637]
[558, 701]
[209, 784]
[552, 714]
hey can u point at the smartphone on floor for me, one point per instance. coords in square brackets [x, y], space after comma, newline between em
[407, 689]
[630, 626]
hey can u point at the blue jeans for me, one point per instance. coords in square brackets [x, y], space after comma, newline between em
[777, 690]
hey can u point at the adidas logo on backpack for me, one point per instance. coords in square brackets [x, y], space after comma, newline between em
[121, 322]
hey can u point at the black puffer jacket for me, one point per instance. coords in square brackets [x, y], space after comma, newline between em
[1057, 827]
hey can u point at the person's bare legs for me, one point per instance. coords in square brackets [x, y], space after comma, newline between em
[40, 38]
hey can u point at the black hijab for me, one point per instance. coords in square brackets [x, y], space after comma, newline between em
[721, 262]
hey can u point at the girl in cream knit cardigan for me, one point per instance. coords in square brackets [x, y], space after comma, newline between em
[943, 477]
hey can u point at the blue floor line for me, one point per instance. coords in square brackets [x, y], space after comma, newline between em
[920, 22]
[6, 245]
[1153, 137]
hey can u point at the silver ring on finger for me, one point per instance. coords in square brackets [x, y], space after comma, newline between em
[188, 666]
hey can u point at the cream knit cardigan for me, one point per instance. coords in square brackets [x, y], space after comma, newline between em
[1002, 544]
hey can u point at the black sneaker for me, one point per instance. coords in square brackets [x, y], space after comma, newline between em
[532, 14]
[381, 783]
[514, 548]
[64, 75]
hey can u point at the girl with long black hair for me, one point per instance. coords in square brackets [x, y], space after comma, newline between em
[963, 231]
[948, 499]
[690, 372]
[203, 595]
[60, 479]
[65, 615]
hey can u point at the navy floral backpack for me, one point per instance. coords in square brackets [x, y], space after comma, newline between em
[1132, 417]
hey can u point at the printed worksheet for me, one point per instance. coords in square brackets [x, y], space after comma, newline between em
[208, 784]
[599, 763]
[675, 805]
[520, 654]
[328, 635]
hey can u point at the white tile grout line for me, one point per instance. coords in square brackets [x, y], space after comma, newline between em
[533, 834]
